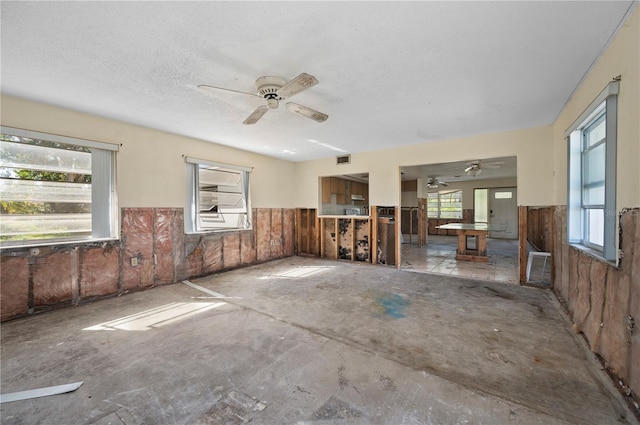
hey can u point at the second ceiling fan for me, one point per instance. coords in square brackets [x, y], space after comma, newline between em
[275, 89]
[475, 167]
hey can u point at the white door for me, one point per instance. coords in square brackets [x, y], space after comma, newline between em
[503, 210]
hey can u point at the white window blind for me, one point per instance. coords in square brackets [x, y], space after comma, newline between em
[55, 188]
[218, 196]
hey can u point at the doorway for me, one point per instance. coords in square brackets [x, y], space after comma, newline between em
[486, 192]
[497, 206]
[503, 210]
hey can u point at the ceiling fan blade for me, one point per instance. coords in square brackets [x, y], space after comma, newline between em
[307, 112]
[298, 84]
[212, 89]
[256, 115]
[443, 183]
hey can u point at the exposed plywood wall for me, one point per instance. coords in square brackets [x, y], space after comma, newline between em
[362, 233]
[328, 238]
[540, 228]
[603, 300]
[153, 250]
[345, 239]
[342, 238]
[306, 231]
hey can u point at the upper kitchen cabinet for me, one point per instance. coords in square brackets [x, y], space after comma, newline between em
[345, 195]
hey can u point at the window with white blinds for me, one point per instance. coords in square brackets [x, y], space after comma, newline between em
[55, 188]
[218, 196]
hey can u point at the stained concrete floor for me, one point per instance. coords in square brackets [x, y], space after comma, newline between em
[309, 341]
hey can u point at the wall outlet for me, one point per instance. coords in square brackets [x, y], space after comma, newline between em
[134, 261]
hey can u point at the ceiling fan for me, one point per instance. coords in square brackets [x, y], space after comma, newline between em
[475, 167]
[275, 89]
[433, 183]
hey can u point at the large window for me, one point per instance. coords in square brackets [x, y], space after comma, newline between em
[444, 204]
[55, 188]
[218, 196]
[592, 175]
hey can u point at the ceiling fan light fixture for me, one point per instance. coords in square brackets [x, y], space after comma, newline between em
[273, 90]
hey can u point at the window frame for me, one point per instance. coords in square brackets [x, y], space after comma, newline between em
[192, 206]
[104, 200]
[439, 197]
[604, 107]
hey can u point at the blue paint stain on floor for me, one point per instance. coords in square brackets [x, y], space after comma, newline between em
[394, 305]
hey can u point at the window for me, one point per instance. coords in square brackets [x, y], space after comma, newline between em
[503, 195]
[218, 196]
[55, 188]
[592, 175]
[444, 204]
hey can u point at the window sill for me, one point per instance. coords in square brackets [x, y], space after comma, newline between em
[597, 255]
[58, 244]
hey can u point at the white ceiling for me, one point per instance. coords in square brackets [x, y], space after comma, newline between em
[391, 73]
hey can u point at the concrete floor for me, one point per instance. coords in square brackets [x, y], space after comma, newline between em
[309, 341]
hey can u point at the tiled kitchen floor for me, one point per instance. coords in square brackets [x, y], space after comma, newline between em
[439, 256]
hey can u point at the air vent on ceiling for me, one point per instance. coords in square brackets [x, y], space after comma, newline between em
[343, 159]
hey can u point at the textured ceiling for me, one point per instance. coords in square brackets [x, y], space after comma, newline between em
[391, 73]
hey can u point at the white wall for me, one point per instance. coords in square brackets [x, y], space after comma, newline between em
[409, 199]
[151, 169]
[533, 147]
[622, 57]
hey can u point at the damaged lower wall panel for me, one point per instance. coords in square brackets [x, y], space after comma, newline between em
[306, 232]
[604, 300]
[99, 271]
[169, 244]
[137, 242]
[262, 228]
[14, 285]
[52, 277]
[288, 232]
[153, 250]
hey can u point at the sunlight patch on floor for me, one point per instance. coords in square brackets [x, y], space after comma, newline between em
[298, 272]
[155, 317]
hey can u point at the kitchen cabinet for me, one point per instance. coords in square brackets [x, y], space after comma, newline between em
[336, 187]
[326, 190]
[360, 189]
[343, 190]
